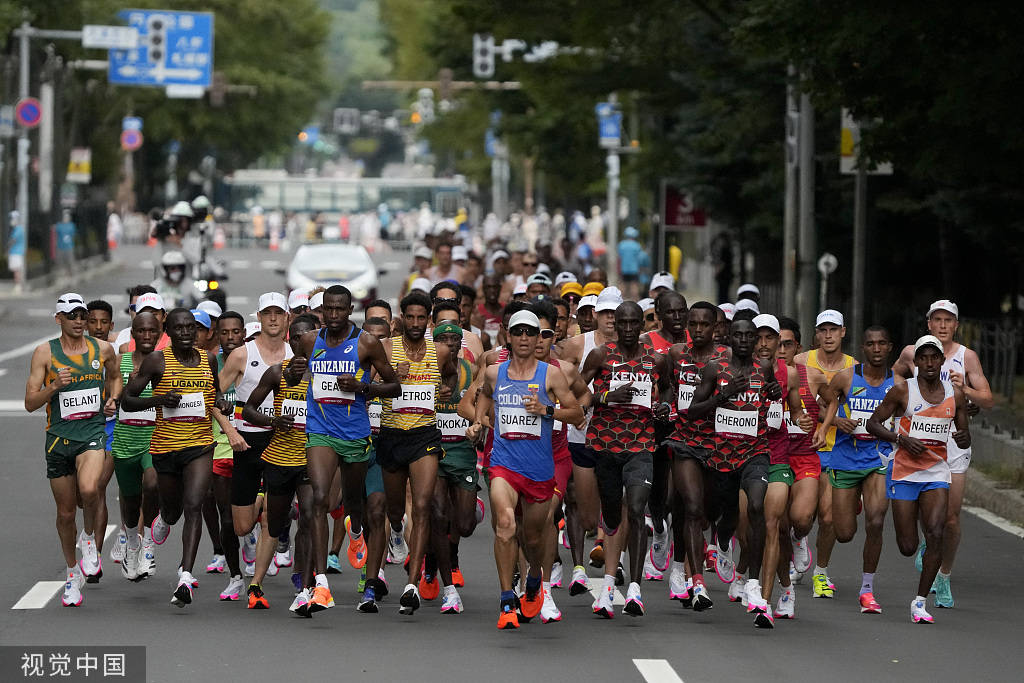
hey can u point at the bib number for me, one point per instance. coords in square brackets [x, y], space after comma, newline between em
[79, 405]
[325, 390]
[685, 398]
[861, 430]
[266, 408]
[416, 399]
[374, 410]
[191, 408]
[737, 424]
[641, 393]
[774, 418]
[453, 427]
[931, 431]
[516, 423]
[297, 409]
[142, 418]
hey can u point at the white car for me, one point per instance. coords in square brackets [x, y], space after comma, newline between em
[329, 264]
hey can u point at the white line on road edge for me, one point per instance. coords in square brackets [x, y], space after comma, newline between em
[996, 521]
[657, 671]
[41, 593]
[617, 600]
[24, 349]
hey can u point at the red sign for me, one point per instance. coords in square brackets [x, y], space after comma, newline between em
[28, 112]
[131, 140]
[680, 211]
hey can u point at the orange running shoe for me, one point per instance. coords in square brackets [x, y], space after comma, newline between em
[529, 605]
[322, 599]
[356, 547]
[457, 579]
[507, 616]
[256, 598]
[429, 587]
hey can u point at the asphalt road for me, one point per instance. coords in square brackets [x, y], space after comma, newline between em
[213, 640]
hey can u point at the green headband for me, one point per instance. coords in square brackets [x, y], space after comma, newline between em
[447, 327]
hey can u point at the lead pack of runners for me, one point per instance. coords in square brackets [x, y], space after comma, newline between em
[654, 440]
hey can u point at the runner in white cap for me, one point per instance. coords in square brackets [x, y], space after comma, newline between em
[661, 281]
[298, 303]
[962, 369]
[212, 309]
[650, 317]
[747, 305]
[748, 291]
[538, 284]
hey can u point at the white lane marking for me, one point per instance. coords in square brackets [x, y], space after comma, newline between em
[617, 600]
[115, 298]
[3, 371]
[111, 528]
[995, 520]
[24, 349]
[391, 265]
[146, 264]
[269, 265]
[38, 595]
[239, 263]
[39, 312]
[238, 300]
[657, 671]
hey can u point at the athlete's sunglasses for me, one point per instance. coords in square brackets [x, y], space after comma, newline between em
[520, 330]
[77, 314]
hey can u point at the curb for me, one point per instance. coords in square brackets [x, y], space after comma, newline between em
[45, 283]
[1000, 499]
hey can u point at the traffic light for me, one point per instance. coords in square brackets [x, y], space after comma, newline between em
[483, 55]
[156, 37]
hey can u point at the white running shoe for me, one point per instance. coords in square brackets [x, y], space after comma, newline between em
[193, 581]
[147, 558]
[801, 554]
[452, 602]
[755, 602]
[398, 549]
[130, 562]
[234, 590]
[604, 606]
[795, 577]
[183, 593]
[300, 602]
[90, 563]
[701, 599]
[651, 573]
[410, 600]
[724, 566]
[661, 548]
[284, 559]
[249, 544]
[736, 592]
[272, 569]
[634, 602]
[72, 596]
[556, 575]
[918, 612]
[249, 568]
[549, 610]
[117, 550]
[677, 582]
[160, 530]
[217, 565]
[786, 609]
[579, 584]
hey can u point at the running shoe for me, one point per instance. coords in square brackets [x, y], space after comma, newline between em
[919, 557]
[736, 592]
[597, 555]
[249, 568]
[802, 556]
[688, 598]
[710, 557]
[381, 585]
[410, 600]
[356, 546]
[272, 569]
[217, 565]
[868, 604]
[285, 558]
[398, 549]
[919, 613]
[160, 530]
[193, 581]
[530, 603]
[361, 585]
[823, 587]
[755, 602]
[651, 573]
[507, 617]
[634, 606]
[257, 600]
[724, 566]
[72, 596]
[130, 563]
[234, 589]
[579, 583]
[297, 580]
[300, 605]
[458, 580]
[321, 600]
[556, 574]
[795, 577]
[117, 550]
[333, 563]
[183, 593]
[604, 604]
[91, 562]
[943, 592]
[701, 599]
[248, 543]
[764, 620]
[549, 610]
[429, 587]
[479, 510]
[786, 607]
[368, 603]
[147, 558]
[677, 582]
[452, 602]
[620, 575]
[661, 549]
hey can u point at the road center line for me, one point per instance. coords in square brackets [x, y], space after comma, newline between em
[617, 600]
[24, 349]
[995, 520]
[657, 671]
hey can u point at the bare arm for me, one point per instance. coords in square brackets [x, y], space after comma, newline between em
[704, 399]
[904, 365]
[962, 435]
[974, 383]
[833, 394]
[894, 403]
[568, 410]
[151, 371]
[265, 387]
[234, 366]
[38, 394]
[388, 386]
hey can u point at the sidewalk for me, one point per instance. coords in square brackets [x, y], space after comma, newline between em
[46, 284]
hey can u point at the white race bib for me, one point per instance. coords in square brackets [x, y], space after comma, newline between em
[80, 404]
[142, 418]
[297, 409]
[931, 431]
[641, 392]
[774, 418]
[516, 423]
[374, 410]
[559, 425]
[416, 399]
[739, 424]
[453, 426]
[266, 408]
[861, 430]
[686, 392]
[325, 390]
[191, 408]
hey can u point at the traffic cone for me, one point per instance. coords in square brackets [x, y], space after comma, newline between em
[219, 238]
[273, 240]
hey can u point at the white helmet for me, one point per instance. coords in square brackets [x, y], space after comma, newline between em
[173, 258]
[182, 209]
[201, 202]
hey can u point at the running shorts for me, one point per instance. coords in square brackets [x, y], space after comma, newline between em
[848, 479]
[458, 465]
[529, 490]
[399, 448]
[174, 462]
[129, 473]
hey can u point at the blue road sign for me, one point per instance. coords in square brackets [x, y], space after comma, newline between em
[609, 125]
[131, 123]
[175, 48]
[489, 141]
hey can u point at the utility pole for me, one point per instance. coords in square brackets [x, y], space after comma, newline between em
[860, 224]
[808, 242]
[612, 161]
[23, 142]
[791, 207]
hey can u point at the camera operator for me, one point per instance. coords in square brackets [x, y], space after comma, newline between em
[172, 285]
